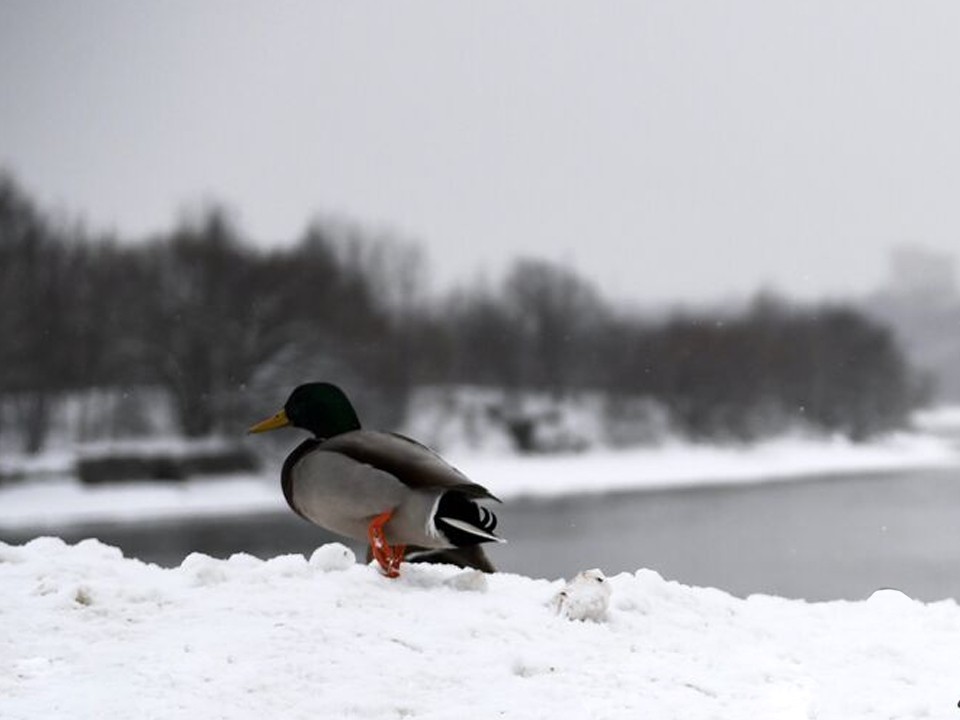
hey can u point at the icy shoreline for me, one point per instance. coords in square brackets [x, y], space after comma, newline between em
[63, 501]
[89, 634]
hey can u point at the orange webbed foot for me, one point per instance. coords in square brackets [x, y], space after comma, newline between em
[387, 556]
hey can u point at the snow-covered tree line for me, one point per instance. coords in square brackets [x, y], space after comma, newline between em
[219, 326]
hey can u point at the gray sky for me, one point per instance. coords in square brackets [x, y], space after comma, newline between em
[671, 150]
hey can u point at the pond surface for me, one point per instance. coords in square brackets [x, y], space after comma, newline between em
[823, 538]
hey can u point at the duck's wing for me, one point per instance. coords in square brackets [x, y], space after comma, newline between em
[412, 463]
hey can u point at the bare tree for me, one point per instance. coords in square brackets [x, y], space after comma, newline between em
[556, 312]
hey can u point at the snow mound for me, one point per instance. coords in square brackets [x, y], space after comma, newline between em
[86, 633]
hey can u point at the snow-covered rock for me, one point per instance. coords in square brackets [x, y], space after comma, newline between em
[86, 633]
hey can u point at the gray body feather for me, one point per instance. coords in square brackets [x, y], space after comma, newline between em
[344, 482]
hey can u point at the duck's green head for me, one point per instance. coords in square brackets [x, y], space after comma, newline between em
[321, 408]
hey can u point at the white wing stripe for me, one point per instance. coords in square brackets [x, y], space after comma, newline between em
[468, 528]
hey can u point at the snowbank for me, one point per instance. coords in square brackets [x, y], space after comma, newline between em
[942, 419]
[64, 501]
[55, 503]
[85, 633]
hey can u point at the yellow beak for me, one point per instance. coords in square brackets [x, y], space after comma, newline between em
[272, 423]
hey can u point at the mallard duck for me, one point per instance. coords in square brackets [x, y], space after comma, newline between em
[381, 487]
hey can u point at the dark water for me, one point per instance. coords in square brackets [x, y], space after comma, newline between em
[827, 538]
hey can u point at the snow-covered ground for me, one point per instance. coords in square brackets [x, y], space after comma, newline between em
[85, 633]
[62, 500]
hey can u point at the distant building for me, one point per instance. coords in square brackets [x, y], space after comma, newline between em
[921, 303]
[920, 273]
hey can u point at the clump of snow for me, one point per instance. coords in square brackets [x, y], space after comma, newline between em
[586, 597]
[86, 633]
[333, 556]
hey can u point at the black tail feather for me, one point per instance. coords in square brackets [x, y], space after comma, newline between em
[464, 511]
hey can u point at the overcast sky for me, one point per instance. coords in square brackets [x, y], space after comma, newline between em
[671, 150]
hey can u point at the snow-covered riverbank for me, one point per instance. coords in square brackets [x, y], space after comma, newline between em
[61, 501]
